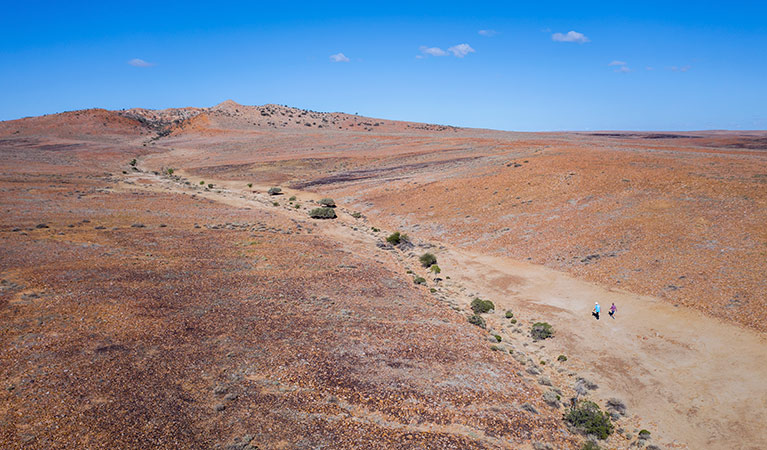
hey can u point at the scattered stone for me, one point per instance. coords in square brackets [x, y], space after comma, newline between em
[219, 407]
[138, 225]
[220, 389]
[532, 370]
[231, 397]
[100, 227]
[529, 408]
[544, 380]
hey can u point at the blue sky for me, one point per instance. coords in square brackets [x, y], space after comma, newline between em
[538, 66]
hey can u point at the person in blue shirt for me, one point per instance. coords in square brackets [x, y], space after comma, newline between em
[595, 313]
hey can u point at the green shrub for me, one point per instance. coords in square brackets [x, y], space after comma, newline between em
[498, 337]
[397, 238]
[210, 185]
[477, 320]
[274, 191]
[419, 280]
[561, 358]
[322, 213]
[250, 185]
[480, 306]
[275, 204]
[170, 171]
[133, 162]
[428, 260]
[432, 290]
[292, 198]
[375, 230]
[513, 321]
[297, 206]
[435, 268]
[589, 419]
[202, 183]
[328, 202]
[541, 330]
[644, 434]
[494, 348]
[509, 314]
[590, 445]
[356, 214]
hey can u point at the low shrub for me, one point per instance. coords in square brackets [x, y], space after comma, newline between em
[561, 358]
[589, 419]
[419, 280]
[494, 348]
[428, 260]
[275, 204]
[375, 230]
[328, 202]
[498, 337]
[133, 162]
[292, 198]
[397, 238]
[590, 445]
[322, 213]
[435, 269]
[210, 185]
[509, 314]
[432, 290]
[250, 185]
[541, 330]
[297, 206]
[480, 306]
[356, 214]
[274, 191]
[202, 183]
[477, 320]
[170, 171]
[644, 435]
[513, 321]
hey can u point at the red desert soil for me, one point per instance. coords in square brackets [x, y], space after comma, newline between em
[141, 310]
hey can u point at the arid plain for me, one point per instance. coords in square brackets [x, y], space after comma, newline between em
[146, 309]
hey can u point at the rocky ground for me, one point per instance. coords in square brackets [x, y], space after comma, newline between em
[147, 310]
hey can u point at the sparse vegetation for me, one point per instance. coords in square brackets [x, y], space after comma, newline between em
[133, 162]
[509, 314]
[297, 206]
[644, 434]
[561, 358]
[498, 337]
[477, 320]
[274, 191]
[397, 238]
[494, 348]
[210, 185]
[202, 183]
[169, 171]
[322, 213]
[329, 202]
[435, 269]
[419, 280]
[428, 260]
[250, 185]
[275, 203]
[513, 321]
[589, 419]
[356, 214]
[375, 230]
[590, 445]
[480, 306]
[541, 330]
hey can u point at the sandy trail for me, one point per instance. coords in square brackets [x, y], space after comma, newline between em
[699, 381]
[692, 380]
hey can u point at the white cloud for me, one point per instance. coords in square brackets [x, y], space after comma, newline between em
[433, 51]
[649, 68]
[680, 69]
[339, 57]
[461, 50]
[622, 69]
[488, 33]
[135, 62]
[617, 63]
[571, 36]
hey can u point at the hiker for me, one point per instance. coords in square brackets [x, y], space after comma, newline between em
[612, 311]
[595, 313]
